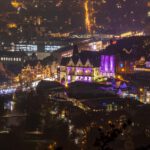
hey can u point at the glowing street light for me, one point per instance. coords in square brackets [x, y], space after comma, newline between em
[141, 89]
[12, 25]
[16, 4]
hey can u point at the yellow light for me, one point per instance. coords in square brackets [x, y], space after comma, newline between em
[141, 89]
[66, 85]
[15, 4]
[109, 122]
[127, 34]
[87, 16]
[119, 77]
[11, 25]
[122, 70]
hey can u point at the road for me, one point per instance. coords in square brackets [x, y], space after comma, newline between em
[9, 89]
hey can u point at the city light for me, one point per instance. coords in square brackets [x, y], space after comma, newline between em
[123, 69]
[16, 4]
[87, 16]
[119, 77]
[12, 25]
[141, 89]
[74, 74]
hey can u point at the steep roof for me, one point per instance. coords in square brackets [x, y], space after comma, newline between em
[65, 61]
[93, 57]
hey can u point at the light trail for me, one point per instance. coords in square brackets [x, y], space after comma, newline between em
[87, 16]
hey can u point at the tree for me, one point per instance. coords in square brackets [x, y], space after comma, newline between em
[104, 136]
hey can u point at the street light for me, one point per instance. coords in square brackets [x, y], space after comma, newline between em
[141, 89]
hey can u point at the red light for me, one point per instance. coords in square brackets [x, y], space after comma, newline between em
[114, 42]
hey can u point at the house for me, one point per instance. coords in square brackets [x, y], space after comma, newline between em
[8, 57]
[86, 66]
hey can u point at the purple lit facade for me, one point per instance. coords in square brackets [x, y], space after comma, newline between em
[89, 70]
[107, 65]
[79, 74]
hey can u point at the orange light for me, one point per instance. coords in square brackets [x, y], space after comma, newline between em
[119, 77]
[122, 70]
[66, 85]
[87, 16]
[109, 122]
[15, 4]
[12, 25]
[141, 89]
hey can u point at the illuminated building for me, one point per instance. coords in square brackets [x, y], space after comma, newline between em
[13, 61]
[143, 66]
[32, 46]
[107, 65]
[25, 47]
[12, 57]
[94, 45]
[86, 66]
[33, 73]
[78, 68]
[144, 95]
[125, 67]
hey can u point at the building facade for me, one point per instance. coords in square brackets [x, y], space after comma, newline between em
[86, 66]
[12, 57]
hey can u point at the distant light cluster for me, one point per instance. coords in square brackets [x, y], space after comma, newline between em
[35, 18]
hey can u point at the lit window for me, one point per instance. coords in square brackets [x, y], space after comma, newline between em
[90, 79]
[85, 78]
[121, 65]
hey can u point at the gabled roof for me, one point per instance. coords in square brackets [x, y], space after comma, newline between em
[79, 63]
[92, 57]
[88, 63]
[70, 63]
[64, 61]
